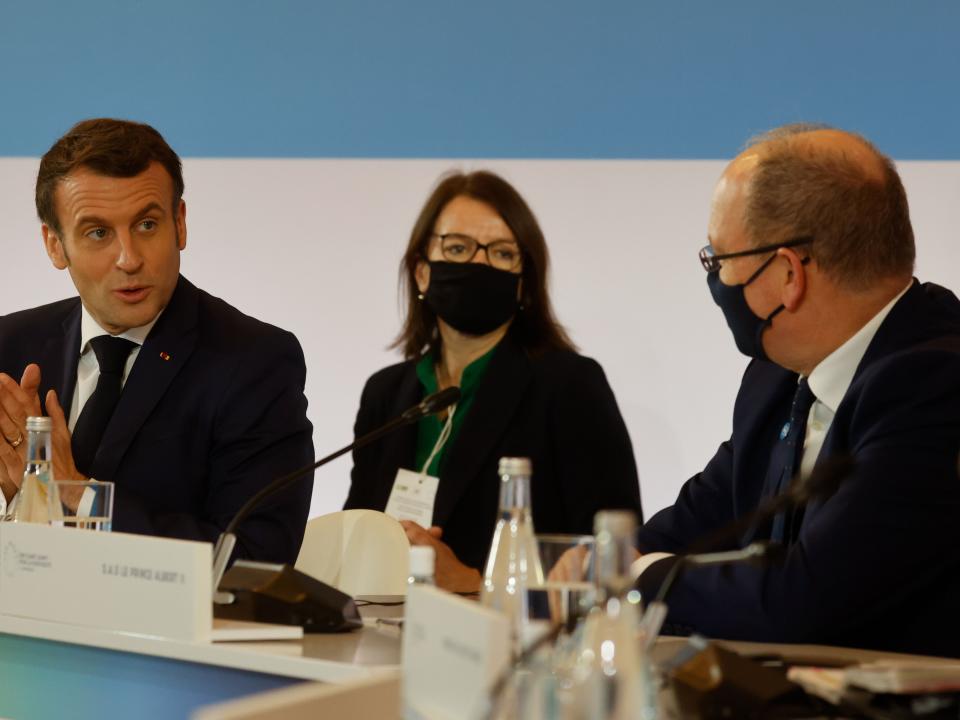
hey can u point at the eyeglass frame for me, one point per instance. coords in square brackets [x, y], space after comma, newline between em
[711, 261]
[517, 266]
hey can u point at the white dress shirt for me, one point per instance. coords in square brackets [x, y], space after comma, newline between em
[829, 382]
[88, 373]
[88, 369]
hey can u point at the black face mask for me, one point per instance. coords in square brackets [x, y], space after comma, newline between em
[747, 328]
[472, 297]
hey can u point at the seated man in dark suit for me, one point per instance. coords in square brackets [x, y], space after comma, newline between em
[811, 260]
[187, 405]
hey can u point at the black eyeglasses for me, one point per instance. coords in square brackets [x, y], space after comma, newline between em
[711, 261]
[501, 254]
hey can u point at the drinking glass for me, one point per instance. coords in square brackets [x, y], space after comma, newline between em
[538, 685]
[86, 505]
[568, 588]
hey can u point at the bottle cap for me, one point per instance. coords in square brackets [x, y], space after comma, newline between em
[515, 466]
[618, 523]
[422, 560]
[39, 424]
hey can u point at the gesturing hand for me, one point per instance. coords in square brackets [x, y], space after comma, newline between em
[18, 401]
[63, 467]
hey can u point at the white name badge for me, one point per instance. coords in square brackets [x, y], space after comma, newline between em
[412, 497]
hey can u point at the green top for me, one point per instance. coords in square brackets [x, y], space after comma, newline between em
[429, 428]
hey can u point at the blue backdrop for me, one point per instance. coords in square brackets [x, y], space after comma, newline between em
[502, 78]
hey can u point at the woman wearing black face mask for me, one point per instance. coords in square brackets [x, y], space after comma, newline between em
[479, 317]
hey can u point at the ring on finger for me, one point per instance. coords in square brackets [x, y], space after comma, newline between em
[18, 442]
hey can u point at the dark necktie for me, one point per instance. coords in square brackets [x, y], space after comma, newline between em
[112, 353]
[786, 456]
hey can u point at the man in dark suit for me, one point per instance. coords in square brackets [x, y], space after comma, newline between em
[187, 405]
[811, 260]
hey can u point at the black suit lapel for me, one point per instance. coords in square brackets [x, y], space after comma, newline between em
[831, 446]
[168, 347]
[761, 409]
[914, 318]
[58, 361]
[498, 395]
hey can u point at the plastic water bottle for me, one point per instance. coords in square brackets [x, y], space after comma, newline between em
[422, 563]
[37, 473]
[513, 564]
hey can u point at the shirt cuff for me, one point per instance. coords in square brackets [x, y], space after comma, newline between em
[86, 501]
[644, 561]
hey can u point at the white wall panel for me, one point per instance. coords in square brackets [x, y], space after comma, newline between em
[314, 246]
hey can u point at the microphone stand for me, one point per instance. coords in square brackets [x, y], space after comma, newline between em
[822, 482]
[228, 538]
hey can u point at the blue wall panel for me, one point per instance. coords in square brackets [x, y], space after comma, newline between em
[504, 78]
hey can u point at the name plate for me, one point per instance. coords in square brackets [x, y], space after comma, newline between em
[115, 581]
[453, 651]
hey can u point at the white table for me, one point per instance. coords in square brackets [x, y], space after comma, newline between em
[380, 697]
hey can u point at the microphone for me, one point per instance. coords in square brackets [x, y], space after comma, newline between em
[762, 552]
[227, 540]
[432, 404]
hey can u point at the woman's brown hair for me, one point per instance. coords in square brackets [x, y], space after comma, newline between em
[534, 327]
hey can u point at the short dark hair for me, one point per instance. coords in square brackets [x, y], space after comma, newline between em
[114, 148]
[535, 327]
[860, 220]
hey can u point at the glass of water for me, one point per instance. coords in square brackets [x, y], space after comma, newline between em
[87, 505]
[568, 588]
[539, 685]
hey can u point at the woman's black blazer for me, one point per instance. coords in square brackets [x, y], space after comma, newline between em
[556, 409]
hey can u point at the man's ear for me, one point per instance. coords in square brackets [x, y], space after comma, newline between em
[54, 247]
[422, 276]
[182, 225]
[795, 285]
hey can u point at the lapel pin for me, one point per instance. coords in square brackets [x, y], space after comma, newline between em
[165, 356]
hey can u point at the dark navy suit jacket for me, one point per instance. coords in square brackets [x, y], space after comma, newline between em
[556, 409]
[212, 410]
[875, 565]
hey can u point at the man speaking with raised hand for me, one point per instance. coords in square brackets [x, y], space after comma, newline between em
[186, 404]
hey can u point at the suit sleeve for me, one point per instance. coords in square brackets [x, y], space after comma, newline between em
[885, 540]
[706, 501]
[595, 462]
[705, 504]
[260, 432]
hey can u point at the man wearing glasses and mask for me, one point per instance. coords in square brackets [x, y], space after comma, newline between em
[810, 258]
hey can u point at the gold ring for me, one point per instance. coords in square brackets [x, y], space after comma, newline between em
[18, 442]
